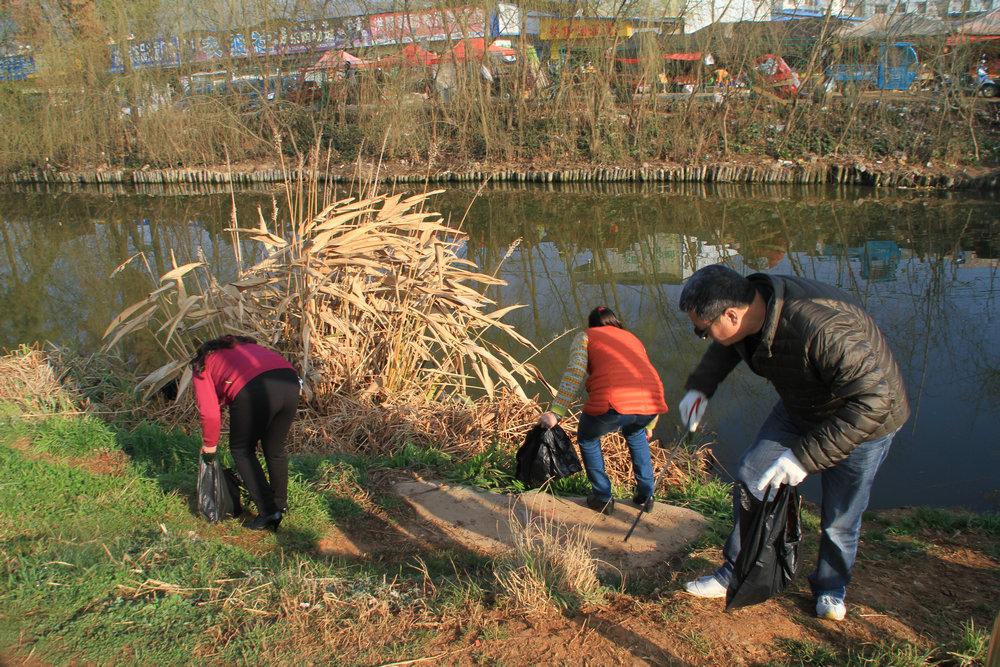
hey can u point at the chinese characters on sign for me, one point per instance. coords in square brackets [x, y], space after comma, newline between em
[283, 38]
[159, 52]
[449, 24]
[16, 68]
[557, 29]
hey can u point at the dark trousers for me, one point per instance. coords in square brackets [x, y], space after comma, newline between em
[263, 412]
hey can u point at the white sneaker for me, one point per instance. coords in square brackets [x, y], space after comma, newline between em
[706, 587]
[831, 608]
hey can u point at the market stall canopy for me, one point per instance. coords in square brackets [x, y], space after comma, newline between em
[894, 26]
[773, 34]
[410, 56]
[475, 48]
[337, 60]
[691, 56]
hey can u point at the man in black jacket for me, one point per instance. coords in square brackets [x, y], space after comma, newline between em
[842, 400]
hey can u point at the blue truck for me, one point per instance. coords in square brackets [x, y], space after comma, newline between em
[895, 68]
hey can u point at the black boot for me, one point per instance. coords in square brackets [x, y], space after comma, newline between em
[601, 505]
[645, 503]
[266, 522]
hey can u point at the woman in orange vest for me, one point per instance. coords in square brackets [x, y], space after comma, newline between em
[624, 393]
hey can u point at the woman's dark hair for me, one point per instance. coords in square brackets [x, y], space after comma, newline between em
[603, 316]
[221, 343]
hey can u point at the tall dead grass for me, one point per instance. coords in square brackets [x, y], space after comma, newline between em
[30, 384]
[549, 565]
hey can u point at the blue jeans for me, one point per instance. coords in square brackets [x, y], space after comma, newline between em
[846, 490]
[633, 427]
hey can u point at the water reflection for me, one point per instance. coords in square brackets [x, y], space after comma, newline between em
[923, 263]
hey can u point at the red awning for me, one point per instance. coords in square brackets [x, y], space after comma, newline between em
[410, 55]
[475, 48]
[955, 40]
[337, 60]
[690, 56]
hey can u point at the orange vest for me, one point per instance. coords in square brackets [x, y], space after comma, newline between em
[620, 376]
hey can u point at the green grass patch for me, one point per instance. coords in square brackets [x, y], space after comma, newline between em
[971, 646]
[889, 654]
[119, 569]
[711, 497]
[945, 521]
[72, 436]
[807, 654]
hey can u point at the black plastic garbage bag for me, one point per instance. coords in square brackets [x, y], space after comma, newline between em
[770, 533]
[218, 491]
[547, 454]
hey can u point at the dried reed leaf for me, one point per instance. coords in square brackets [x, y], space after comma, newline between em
[125, 314]
[185, 381]
[155, 380]
[133, 325]
[179, 272]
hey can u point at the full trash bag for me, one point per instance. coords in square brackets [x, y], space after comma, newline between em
[547, 454]
[770, 533]
[218, 490]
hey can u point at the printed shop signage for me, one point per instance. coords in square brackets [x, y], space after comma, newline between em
[399, 28]
[16, 68]
[554, 29]
[284, 38]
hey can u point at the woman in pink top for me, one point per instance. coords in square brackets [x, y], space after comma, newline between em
[262, 392]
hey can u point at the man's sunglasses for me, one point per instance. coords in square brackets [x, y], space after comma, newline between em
[703, 333]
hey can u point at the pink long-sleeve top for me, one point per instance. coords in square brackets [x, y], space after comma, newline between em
[226, 372]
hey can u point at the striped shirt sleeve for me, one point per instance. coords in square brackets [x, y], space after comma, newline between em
[572, 379]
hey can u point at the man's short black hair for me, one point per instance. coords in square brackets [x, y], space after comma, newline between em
[712, 289]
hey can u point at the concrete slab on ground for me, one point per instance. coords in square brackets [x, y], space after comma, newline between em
[482, 521]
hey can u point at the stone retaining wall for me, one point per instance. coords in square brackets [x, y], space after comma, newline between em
[722, 173]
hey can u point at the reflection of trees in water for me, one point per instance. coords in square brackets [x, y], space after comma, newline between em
[60, 250]
[807, 231]
[885, 248]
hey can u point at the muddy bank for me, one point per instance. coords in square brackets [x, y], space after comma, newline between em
[786, 172]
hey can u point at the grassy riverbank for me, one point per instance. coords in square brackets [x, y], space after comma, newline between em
[104, 562]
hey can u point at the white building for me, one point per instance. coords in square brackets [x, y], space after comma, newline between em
[700, 13]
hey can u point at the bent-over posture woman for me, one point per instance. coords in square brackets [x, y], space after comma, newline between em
[624, 393]
[262, 391]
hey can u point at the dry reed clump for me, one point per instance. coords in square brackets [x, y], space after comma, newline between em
[380, 427]
[549, 565]
[372, 301]
[31, 384]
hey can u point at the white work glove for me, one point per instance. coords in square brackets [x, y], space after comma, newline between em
[692, 408]
[786, 469]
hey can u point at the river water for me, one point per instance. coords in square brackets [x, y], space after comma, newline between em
[924, 263]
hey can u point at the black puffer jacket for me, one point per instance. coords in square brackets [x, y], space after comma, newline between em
[830, 364]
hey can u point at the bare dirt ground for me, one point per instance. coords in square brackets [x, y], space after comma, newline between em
[913, 591]
[483, 521]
